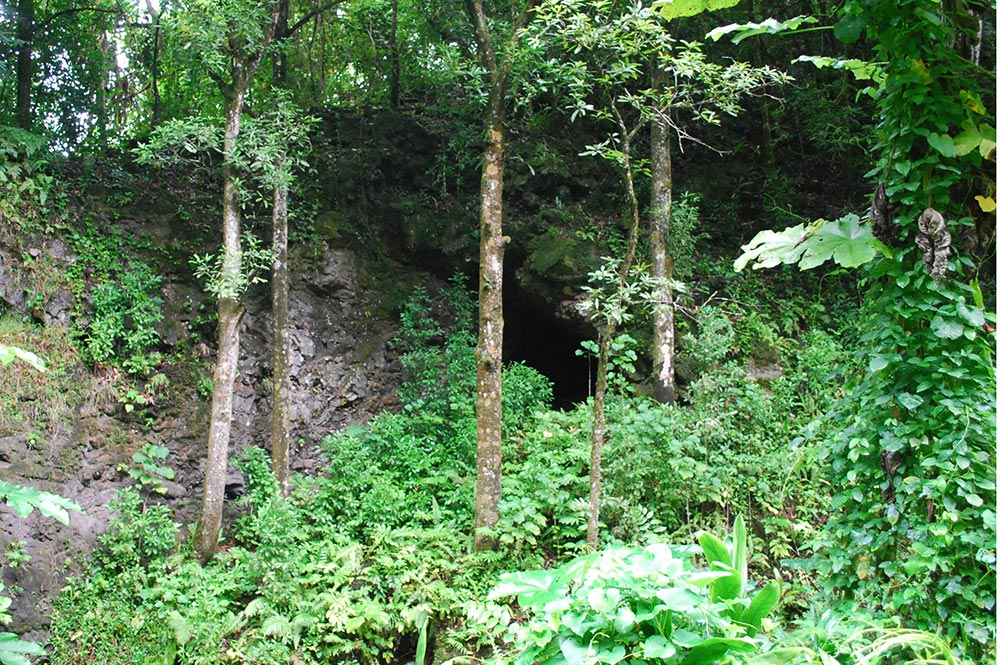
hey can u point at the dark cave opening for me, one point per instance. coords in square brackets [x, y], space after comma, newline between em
[537, 338]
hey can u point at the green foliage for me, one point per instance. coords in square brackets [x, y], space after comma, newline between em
[223, 282]
[26, 499]
[15, 651]
[649, 604]
[101, 614]
[913, 527]
[843, 240]
[23, 177]
[122, 326]
[148, 469]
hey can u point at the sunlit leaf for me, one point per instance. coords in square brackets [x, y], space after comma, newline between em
[986, 203]
[771, 26]
[671, 9]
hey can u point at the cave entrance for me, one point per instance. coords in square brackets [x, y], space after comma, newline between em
[535, 337]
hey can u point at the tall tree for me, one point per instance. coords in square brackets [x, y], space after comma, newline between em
[489, 349]
[624, 67]
[231, 38]
[661, 264]
[25, 40]
[270, 147]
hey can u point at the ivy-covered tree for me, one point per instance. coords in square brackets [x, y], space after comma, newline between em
[912, 448]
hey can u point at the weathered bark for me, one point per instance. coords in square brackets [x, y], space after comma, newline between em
[26, 38]
[243, 68]
[597, 438]
[489, 351]
[281, 35]
[230, 315]
[280, 374]
[661, 265]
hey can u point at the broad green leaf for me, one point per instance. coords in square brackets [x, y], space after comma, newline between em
[714, 549]
[942, 143]
[946, 329]
[769, 248]
[763, 602]
[712, 650]
[574, 652]
[671, 9]
[679, 599]
[972, 315]
[845, 240]
[740, 552]
[770, 26]
[13, 650]
[25, 499]
[534, 588]
[848, 30]
[967, 141]
[860, 69]
[909, 401]
[657, 646]
[878, 363]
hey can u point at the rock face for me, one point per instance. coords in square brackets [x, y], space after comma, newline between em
[343, 372]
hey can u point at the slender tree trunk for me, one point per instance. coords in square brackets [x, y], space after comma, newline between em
[243, 68]
[606, 334]
[230, 315]
[489, 351]
[280, 40]
[155, 65]
[25, 37]
[280, 369]
[598, 435]
[661, 265]
[394, 57]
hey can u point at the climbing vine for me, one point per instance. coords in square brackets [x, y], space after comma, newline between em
[912, 531]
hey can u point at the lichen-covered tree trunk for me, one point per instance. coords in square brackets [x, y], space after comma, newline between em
[661, 265]
[230, 315]
[598, 436]
[489, 350]
[280, 375]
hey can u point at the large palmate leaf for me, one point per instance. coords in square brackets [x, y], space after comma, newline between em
[771, 26]
[15, 651]
[25, 499]
[845, 241]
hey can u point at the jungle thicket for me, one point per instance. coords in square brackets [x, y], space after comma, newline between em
[768, 230]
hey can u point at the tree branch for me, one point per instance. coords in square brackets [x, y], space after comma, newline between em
[44, 25]
[310, 16]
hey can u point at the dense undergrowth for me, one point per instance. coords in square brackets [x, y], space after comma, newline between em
[371, 562]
